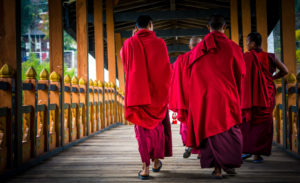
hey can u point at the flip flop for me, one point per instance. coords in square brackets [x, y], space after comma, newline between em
[214, 176]
[143, 177]
[187, 153]
[246, 156]
[230, 171]
[157, 169]
[259, 160]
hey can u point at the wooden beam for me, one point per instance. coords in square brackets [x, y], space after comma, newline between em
[116, 2]
[56, 50]
[10, 49]
[246, 21]
[172, 5]
[119, 61]
[170, 15]
[234, 25]
[261, 22]
[178, 48]
[82, 39]
[99, 45]
[173, 32]
[288, 37]
[110, 41]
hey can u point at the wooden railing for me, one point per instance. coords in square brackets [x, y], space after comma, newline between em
[49, 125]
[286, 114]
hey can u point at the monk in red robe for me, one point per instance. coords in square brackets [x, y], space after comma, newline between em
[259, 98]
[178, 101]
[148, 75]
[217, 71]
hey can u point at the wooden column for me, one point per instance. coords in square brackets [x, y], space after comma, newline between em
[261, 22]
[288, 34]
[56, 51]
[10, 54]
[82, 49]
[246, 21]
[234, 27]
[99, 47]
[119, 60]
[110, 32]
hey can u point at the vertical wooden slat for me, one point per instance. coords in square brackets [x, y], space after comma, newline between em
[234, 21]
[288, 34]
[99, 47]
[119, 60]
[246, 21]
[82, 48]
[261, 22]
[56, 51]
[10, 45]
[110, 32]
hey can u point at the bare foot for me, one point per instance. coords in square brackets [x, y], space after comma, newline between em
[157, 164]
[145, 170]
[217, 173]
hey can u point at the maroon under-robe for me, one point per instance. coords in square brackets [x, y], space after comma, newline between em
[258, 103]
[217, 71]
[148, 74]
[183, 133]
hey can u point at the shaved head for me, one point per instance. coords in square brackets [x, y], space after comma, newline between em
[217, 23]
[194, 41]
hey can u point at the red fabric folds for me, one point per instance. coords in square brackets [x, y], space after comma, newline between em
[258, 91]
[178, 101]
[217, 70]
[148, 74]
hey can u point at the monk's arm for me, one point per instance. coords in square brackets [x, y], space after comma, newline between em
[283, 70]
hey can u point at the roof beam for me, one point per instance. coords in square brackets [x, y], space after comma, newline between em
[170, 15]
[173, 32]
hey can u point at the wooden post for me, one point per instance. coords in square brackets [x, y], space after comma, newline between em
[261, 22]
[57, 53]
[288, 34]
[234, 27]
[119, 60]
[99, 46]
[82, 50]
[110, 41]
[10, 45]
[246, 21]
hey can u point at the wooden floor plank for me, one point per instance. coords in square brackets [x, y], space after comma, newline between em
[113, 156]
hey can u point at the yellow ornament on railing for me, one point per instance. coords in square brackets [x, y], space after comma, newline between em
[67, 79]
[44, 74]
[291, 78]
[277, 81]
[100, 84]
[74, 80]
[6, 71]
[54, 77]
[105, 84]
[30, 73]
[81, 81]
[91, 83]
[95, 83]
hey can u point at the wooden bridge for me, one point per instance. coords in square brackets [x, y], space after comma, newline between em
[54, 127]
[112, 156]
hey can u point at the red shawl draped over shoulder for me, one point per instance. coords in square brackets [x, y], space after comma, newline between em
[217, 70]
[258, 91]
[148, 74]
[178, 101]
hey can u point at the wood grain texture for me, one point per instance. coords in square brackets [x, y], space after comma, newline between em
[113, 156]
[99, 46]
[246, 21]
[261, 22]
[234, 21]
[119, 61]
[288, 26]
[111, 50]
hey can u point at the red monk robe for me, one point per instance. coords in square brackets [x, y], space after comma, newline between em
[258, 102]
[217, 69]
[179, 89]
[148, 74]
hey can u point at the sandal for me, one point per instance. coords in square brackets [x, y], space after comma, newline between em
[214, 176]
[230, 171]
[259, 160]
[187, 153]
[143, 177]
[157, 169]
[246, 156]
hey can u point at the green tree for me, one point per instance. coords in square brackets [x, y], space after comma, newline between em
[33, 61]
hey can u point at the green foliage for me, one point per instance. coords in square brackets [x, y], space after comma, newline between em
[69, 42]
[33, 61]
[298, 55]
[70, 71]
[298, 35]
